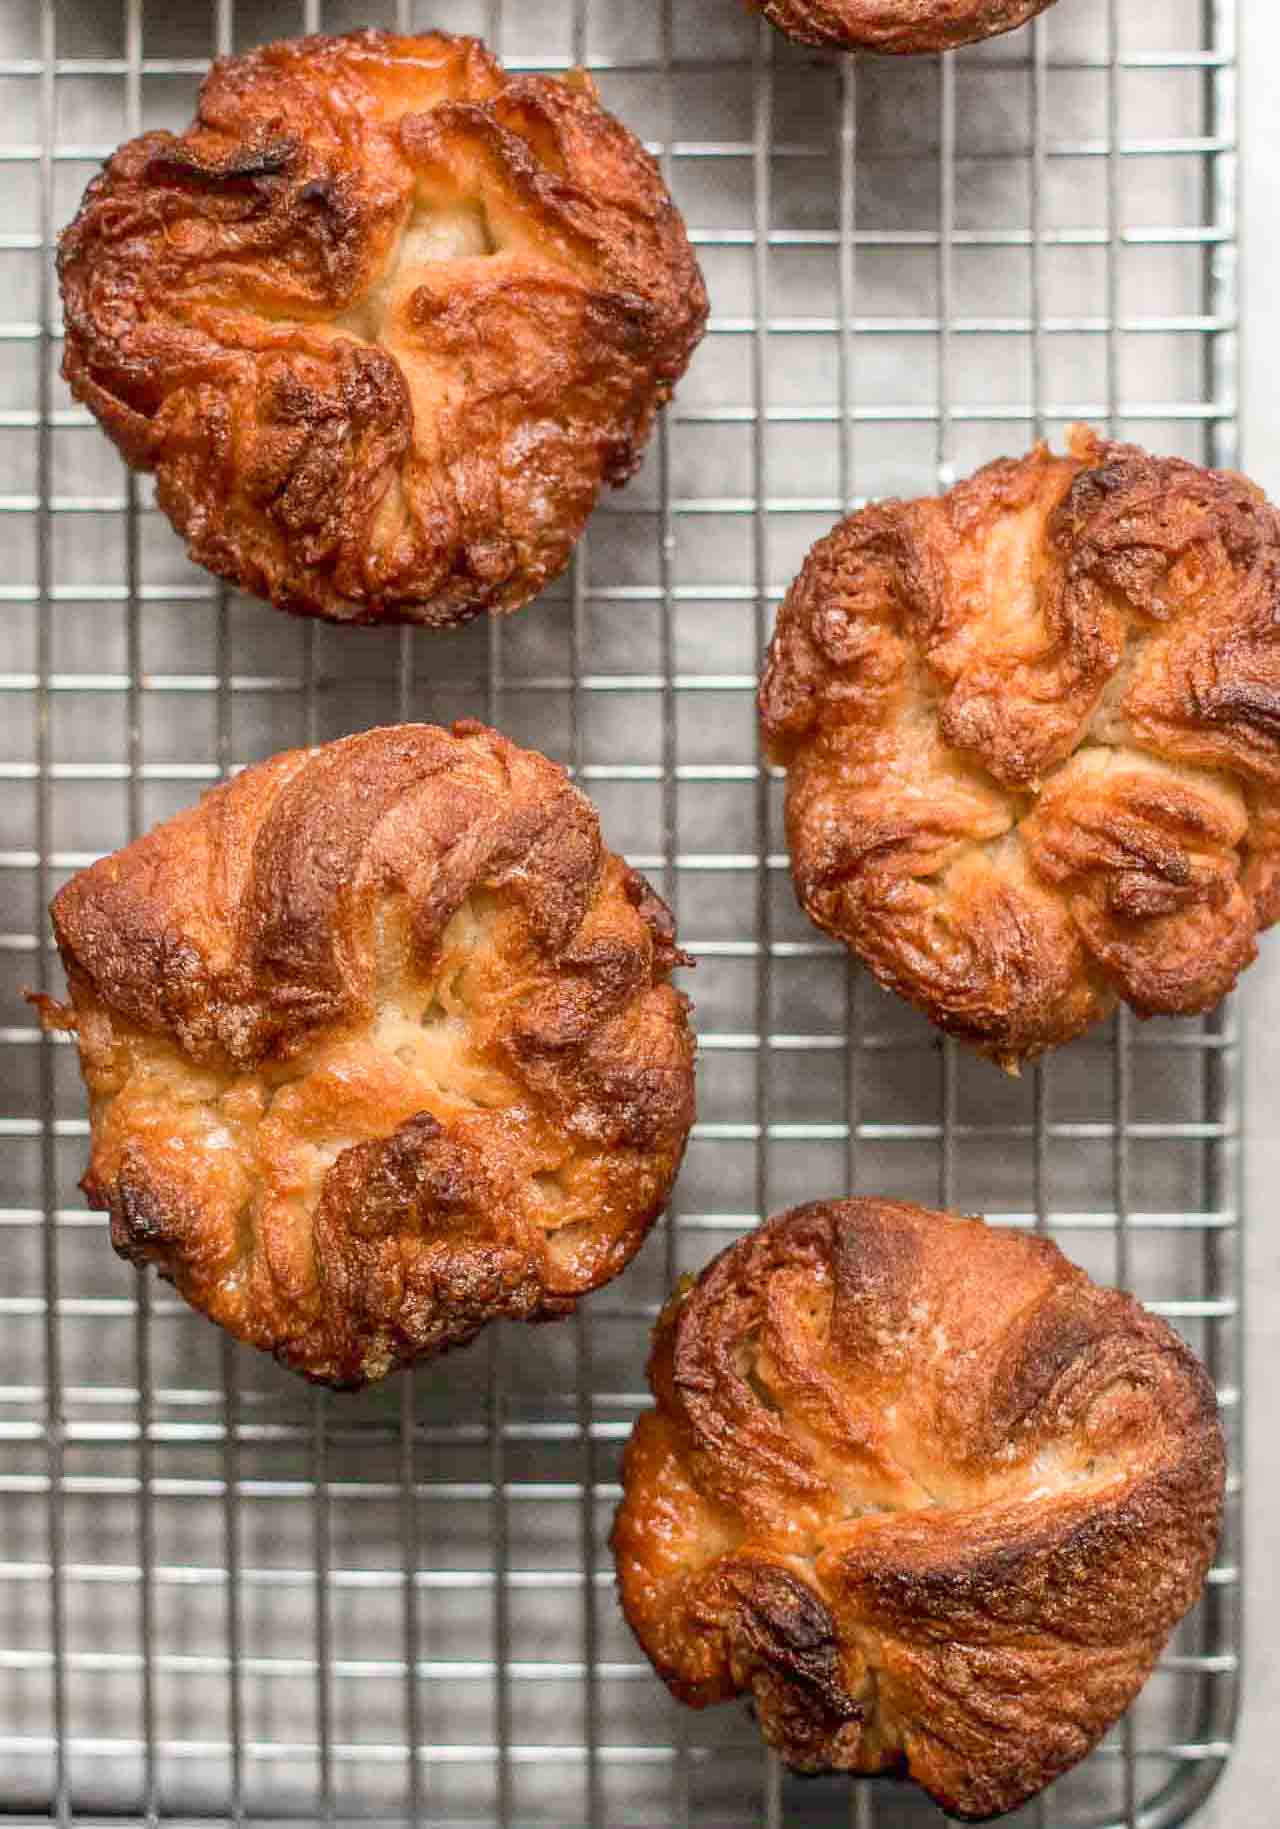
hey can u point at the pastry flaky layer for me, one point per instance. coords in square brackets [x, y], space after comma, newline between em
[901, 26]
[381, 1045]
[1032, 735]
[922, 1491]
[382, 321]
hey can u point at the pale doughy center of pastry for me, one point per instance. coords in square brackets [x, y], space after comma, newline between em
[265, 1140]
[427, 1027]
[431, 237]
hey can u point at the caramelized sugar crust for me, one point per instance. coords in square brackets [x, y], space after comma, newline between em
[382, 321]
[381, 1045]
[1032, 735]
[922, 1491]
[898, 25]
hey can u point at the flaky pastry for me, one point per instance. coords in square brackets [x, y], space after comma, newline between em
[921, 1490]
[1032, 741]
[900, 26]
[382, 321]
[381, 1045]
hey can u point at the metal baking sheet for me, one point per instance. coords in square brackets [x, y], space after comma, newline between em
[226, 1598]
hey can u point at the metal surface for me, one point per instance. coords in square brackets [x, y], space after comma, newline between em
[223, 1597]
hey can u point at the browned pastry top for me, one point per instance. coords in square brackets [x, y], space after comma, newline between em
[923, 1491]
[898, 25]
[382, 321]
[1032, 733]
[381, 1044]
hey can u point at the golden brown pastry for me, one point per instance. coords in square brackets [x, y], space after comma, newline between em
[898, 25]
[381, 1045]
[1032, 735]
[921, 1490]
[382, 321]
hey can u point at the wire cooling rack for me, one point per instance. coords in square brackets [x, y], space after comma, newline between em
[224, 1598]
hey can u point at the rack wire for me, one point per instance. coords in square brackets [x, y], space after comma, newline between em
[226, 1599]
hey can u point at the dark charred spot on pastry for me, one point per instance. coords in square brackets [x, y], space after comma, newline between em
[323, 192]
[253, 167]
[1254, 704]
[413, 1178]
[657, 917]
[784, 1624]
[139, 1222]
[148, 1218]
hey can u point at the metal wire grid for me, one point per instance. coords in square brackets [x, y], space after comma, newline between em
[225, 1598]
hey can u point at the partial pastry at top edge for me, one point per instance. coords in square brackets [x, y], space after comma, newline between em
[902, 27]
